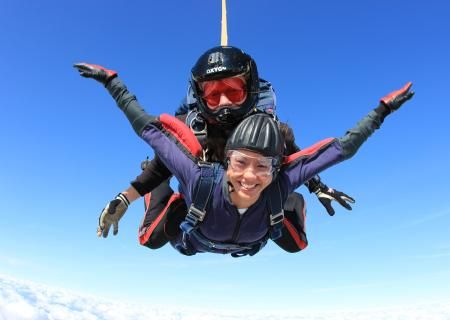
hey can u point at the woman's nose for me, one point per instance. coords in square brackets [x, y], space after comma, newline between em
[249, 173]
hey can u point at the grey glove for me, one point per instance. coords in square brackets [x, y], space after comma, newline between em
[111, 215]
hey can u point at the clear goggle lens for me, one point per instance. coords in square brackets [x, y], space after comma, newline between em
[240, 162]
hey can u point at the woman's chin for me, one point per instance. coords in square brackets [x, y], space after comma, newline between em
[249, 194]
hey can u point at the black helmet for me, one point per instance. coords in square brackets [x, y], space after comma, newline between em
[259, 133]
[223, 62]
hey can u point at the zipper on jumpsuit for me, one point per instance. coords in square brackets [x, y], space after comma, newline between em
[237, 227]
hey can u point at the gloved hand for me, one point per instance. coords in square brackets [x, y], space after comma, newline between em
[96, 72]
[111, 215]
[326, 195]
[395, 99]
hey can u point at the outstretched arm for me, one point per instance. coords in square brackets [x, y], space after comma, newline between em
[126, 101]
[325, 194]
[305, 164]
[355, 137]
[155, 173]
[170, 138]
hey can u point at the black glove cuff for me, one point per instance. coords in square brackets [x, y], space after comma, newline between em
[313, 184]
[383, 110]
[123, 198]
[108, 79]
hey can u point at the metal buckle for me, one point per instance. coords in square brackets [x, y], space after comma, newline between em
[195, 215]
[205, 164]
[196, 120]
[276, 218]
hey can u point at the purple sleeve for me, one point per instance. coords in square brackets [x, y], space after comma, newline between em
[178, 161]
[311, 161]
[305, 164]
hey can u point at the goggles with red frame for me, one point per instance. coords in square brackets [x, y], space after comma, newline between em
[233, 88]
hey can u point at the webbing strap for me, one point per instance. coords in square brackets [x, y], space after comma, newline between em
[276, 211]
[202, 193]
[236, 250]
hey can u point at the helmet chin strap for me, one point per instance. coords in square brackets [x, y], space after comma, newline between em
[225, 115]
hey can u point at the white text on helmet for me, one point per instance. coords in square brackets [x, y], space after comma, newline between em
[215, 69]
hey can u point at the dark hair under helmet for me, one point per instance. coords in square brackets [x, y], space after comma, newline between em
[223, 62]
[258, 133]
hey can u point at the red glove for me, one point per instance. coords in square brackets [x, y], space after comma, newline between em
[96, 72]
[395, 99]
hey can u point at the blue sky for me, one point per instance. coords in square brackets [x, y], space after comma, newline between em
[67, 150]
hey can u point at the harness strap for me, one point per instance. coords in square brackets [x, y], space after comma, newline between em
[276, 211]
[202, 193]
[236, 250]
[197, 213]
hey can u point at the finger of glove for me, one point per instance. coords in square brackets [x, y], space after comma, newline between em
[327, 204]
[339, 197]
[116, 228]
[396, 98]
[406, 97]
[101, 220]
[343, 196]
[342, 202]
[347, 198]
[85, 73]
[104, 222]
[105, 230]
[82, 66]
[405, 88]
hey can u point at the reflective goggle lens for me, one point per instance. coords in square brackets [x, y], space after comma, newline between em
[232, 88]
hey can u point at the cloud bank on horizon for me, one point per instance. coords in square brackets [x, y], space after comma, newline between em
[22, 300]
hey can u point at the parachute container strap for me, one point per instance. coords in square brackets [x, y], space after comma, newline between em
[276, 211]
[236, 250]
[202, 194]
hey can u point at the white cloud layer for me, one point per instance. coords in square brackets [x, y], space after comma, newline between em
[21, 300]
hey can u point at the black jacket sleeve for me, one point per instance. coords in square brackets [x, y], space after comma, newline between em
[152, 176]
[155, 172]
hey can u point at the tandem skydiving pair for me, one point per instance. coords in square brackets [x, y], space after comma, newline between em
[237, 165]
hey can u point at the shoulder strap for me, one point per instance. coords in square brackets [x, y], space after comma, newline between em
[276, 210]
[200, 198]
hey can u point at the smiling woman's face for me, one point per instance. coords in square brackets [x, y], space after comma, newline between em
[247, 173]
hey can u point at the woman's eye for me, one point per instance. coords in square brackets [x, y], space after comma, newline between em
[240, 163]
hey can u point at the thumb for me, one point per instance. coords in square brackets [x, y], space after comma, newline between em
[327, 204]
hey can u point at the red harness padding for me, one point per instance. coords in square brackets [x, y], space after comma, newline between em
[182, 133]
[146, 232]
[308, 151]
[299, 238]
